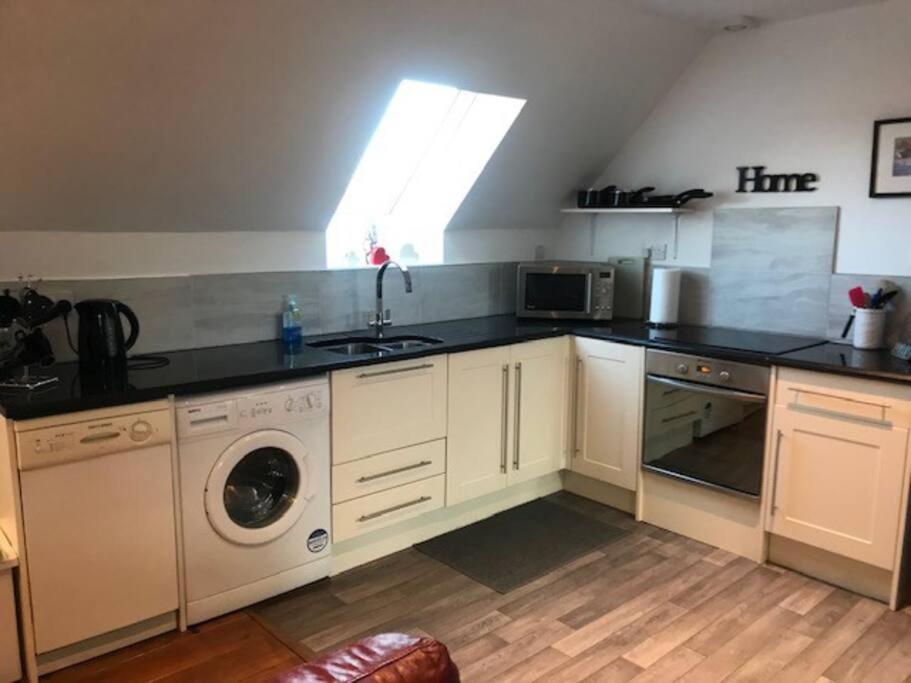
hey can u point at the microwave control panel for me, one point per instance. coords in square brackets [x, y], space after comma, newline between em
[603, 295]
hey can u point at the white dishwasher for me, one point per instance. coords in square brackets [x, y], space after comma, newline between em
[100, 538]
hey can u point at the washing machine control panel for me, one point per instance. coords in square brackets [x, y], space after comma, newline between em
[280, 406]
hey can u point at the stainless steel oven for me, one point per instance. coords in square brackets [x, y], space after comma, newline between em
[705, 421]
[565, 290]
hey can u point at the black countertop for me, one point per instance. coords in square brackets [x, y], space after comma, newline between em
[243, 365]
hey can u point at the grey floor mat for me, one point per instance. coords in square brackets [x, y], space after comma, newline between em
[519, 545]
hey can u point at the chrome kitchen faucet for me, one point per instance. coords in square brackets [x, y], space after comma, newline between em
[383, 317]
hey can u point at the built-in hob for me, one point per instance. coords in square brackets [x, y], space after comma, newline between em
[765, 343]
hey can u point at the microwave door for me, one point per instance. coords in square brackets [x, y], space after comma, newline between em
[558, 294]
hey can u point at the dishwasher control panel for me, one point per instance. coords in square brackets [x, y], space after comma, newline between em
[49, 446]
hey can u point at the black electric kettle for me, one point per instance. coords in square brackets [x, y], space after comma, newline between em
[102, 346]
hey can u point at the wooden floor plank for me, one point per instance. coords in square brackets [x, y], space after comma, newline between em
[816, 658]
[864, 655]
[772, 657]
[672, 666]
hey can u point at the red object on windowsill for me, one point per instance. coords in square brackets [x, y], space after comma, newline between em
[377, 256]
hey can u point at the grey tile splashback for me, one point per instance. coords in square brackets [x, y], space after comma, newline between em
[215, 310]
[793, 303]
[771, 270]
[790, 240]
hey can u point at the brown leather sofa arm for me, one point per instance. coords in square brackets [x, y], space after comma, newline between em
[385, 658]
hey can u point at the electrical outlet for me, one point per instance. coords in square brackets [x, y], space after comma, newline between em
[658, 252]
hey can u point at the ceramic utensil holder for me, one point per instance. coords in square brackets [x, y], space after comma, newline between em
[869, 328]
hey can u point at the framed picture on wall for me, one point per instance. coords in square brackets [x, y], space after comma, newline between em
[890, 175]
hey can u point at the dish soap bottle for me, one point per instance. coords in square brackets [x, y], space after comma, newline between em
[292, 321]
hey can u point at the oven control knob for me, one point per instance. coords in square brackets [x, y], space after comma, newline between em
[683, 368]
[724, 376]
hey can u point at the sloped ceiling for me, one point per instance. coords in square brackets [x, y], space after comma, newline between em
[197, 115]
[716, 13]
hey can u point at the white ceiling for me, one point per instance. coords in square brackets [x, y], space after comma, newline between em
[716, 13]
[241, 115]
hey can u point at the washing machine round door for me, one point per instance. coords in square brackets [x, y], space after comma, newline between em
[258, 488]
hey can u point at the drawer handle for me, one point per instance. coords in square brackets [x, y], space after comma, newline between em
[380, 373]
[837, 415]
[399, 470]
[394, 508]
[674, 418]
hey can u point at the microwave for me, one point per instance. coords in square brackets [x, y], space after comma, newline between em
[566, 290]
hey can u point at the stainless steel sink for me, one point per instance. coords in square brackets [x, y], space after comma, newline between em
[357, 346]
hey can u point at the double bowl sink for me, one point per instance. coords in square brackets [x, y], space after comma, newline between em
[358, 346]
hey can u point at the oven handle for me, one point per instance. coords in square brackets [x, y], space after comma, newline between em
[711, 391]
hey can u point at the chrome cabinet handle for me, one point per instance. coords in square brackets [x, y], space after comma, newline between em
[394, 508]
[577, 386]
[778, 437]
[399, 470]
[838, 415]
[380, 373]
[518, 421]
[504, 419]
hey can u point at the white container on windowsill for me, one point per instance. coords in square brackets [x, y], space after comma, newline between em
[869, 328]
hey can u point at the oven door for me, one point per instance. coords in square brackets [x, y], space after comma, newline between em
[706, 435]
[554, 292]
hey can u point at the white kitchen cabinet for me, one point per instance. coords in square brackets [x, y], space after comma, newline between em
[608, 411]
[837, 482]
[10, 669]
[506, 416]
[385, 407]
[538, 395]
[479, 420]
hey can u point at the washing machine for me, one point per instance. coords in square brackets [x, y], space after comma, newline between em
[255, 494]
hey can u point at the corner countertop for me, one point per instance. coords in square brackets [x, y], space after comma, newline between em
[244, 365]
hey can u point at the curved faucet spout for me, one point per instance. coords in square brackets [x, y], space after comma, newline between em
[383, 317]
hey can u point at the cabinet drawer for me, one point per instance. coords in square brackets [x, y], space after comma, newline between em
[380, 408]
[377, 511]
[844, 398]
[388, 470]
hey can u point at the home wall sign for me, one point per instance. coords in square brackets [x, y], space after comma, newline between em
[755, 179]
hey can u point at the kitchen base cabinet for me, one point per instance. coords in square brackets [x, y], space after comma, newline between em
[506, 417]
[838, 484]
[478, 434]
[608, 411]
[838, 480]
[539, 394]
[9, 636]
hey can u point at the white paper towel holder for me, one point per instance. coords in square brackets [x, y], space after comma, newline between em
[668, 305]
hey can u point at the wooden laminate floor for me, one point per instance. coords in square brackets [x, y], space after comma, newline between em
[650, 606]
[233, 648]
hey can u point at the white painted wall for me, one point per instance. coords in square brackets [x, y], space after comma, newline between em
[795, 96]
[87, 255]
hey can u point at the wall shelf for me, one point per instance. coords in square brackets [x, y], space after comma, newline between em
[633, 210]
[665, 210]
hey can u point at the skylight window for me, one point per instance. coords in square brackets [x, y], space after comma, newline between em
[426, 153]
